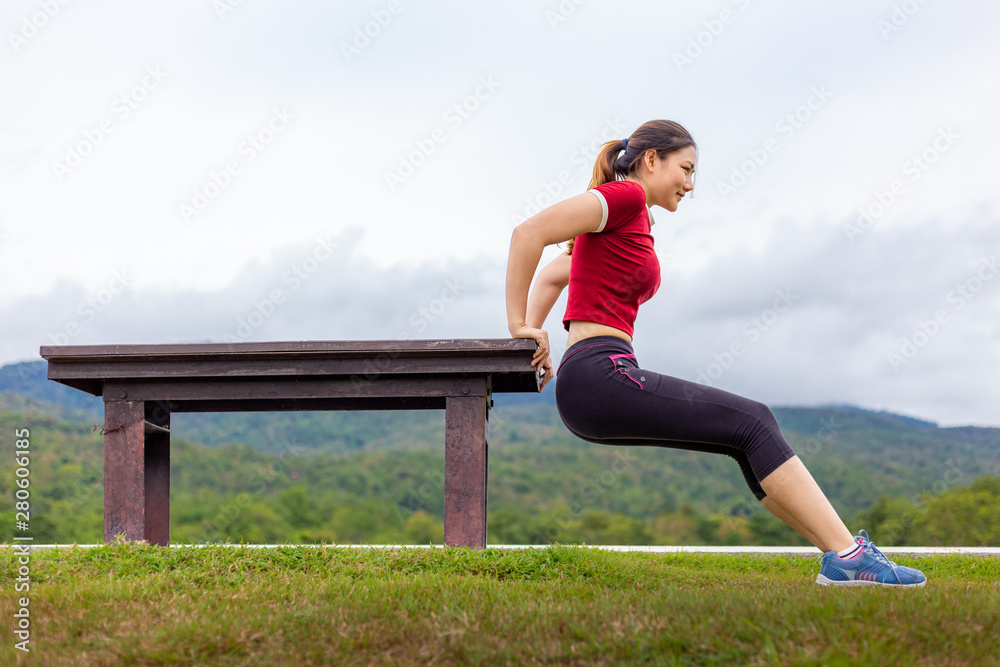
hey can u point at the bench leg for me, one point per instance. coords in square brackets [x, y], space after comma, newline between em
[157, 474]
[136, 472]
[466, 451]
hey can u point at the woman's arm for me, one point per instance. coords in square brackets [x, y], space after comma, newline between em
[560, 222]
[548, 286]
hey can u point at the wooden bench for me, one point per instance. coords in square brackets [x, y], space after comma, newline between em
[143, 384]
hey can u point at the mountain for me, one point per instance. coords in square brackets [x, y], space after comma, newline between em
[377, 476]
[855, 454]
[29, 379]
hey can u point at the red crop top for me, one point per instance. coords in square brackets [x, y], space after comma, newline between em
[614, 269]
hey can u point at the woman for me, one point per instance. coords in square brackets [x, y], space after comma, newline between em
[603, 394]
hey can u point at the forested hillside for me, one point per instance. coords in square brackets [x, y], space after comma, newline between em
[377, 477]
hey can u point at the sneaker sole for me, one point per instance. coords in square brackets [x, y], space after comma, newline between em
[823, 581]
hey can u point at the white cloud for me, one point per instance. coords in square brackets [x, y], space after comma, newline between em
[815, 318]
[559, 87]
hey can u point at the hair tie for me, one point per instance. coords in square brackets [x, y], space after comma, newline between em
[624, 144]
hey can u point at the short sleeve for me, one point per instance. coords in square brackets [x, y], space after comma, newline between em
[621, 201]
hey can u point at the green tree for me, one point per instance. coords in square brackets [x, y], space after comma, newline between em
[423, 528]
[298, 508]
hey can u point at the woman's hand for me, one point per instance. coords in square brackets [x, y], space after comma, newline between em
[541, 361]
[547, 366]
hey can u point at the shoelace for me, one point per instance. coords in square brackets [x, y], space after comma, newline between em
[878, 555]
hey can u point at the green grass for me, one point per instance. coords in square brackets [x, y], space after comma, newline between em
[144, 605]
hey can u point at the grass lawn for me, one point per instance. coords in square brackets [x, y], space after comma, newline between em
[145, 605]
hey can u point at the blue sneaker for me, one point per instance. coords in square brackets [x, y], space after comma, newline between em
[871, 568]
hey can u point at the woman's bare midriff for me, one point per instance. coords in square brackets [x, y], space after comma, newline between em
[580, 329]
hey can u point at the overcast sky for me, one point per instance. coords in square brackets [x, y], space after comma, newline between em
[263, 170]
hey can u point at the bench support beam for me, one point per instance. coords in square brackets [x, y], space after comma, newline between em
[137, 471]
[466, 452]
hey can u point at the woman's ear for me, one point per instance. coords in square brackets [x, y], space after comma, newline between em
[650, 158]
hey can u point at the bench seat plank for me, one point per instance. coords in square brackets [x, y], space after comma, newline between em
[84, 366]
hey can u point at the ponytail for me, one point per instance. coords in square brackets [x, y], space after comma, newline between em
[608, 167]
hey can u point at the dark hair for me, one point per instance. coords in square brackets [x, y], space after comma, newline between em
[664, 136]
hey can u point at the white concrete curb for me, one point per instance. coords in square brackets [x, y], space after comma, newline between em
[796, 551]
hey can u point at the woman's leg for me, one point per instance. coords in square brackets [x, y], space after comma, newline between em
[794, 497]
[770, 502]
[776, 510]
[610, 400]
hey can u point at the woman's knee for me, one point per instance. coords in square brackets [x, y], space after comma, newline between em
[763, 414]
[761, 436]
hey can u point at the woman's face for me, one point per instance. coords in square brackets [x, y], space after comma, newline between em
[668, 180]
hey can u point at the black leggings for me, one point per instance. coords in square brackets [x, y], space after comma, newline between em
[603, 396]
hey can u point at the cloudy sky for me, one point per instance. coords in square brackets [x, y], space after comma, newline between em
[263, 170]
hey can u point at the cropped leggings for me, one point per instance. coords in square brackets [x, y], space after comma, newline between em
[603, 396]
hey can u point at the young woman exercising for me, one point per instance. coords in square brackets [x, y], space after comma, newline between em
[604, 396]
